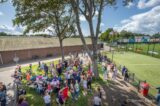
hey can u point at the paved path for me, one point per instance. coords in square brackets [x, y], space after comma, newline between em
[6, 72]
[119, 90]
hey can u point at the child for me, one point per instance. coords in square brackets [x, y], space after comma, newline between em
[49, 88]
[47, 99]
[99, 92]
[76, 86]
[89, 82]
[85, 85]
[72, 90]
[28, 77]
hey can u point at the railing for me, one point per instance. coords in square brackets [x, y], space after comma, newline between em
[135, 81]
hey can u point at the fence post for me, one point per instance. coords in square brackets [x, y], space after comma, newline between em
[153, 49]
[133, 48]
[133, 77]
[148, 47]
[139, 82]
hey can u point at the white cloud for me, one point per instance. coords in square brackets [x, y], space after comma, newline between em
[147, 22]
[82, 18]
[130, 4]
[147, 3]
[1, 13]
[11, 30]
[102, 24]
[125, 21]
[96, 13]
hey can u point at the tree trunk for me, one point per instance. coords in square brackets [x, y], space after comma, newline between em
[94, 61]
[95, 66]
[62, 51]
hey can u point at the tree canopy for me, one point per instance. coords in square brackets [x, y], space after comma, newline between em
[106, 36]
[54, 16]
[2, 1]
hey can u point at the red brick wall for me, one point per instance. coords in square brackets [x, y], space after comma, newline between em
[27, 54]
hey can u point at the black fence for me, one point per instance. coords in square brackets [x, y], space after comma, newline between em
[151, 49]
[135, 81]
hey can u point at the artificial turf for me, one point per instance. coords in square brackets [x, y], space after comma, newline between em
[145, 67]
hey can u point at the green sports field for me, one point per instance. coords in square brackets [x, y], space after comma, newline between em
[143, 48]
[144, 67]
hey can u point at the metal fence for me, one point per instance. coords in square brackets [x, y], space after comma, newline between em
[135, 81]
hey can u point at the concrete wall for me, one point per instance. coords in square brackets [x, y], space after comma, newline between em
[7, 56]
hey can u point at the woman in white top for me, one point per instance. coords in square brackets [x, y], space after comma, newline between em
[114, 74]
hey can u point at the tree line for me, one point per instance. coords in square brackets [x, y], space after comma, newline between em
[111, 35]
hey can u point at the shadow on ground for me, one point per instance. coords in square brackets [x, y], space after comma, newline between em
[115, 96]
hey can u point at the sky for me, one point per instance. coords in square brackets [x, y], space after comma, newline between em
[141, 16]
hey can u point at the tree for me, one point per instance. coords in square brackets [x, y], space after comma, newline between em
[3, 34]
[156, 35]
[64, 23]
[106, 36]
[53, 15]
[2, 1]
[88, 8]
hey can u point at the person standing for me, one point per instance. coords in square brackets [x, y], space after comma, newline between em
[85, 85]
[97, 100]
[123, 70]
[46, 69]
[144, 88]
[47, 99]
[99, 92]
[2, 96]
[89, 82]
[126, 76]
[114, 74]
[158, 98]
[76, 86]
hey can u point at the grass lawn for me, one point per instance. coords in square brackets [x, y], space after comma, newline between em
[35, 99]
[144, 67]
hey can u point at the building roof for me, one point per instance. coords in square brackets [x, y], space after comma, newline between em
[19, 43]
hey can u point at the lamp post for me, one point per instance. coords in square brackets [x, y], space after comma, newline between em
[111, 34]
[16, 59]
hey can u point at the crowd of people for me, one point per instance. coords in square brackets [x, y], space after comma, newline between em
[70, 76]
[65, 79]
